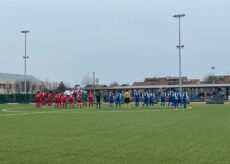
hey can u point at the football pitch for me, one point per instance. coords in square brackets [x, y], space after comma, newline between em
[200, 134]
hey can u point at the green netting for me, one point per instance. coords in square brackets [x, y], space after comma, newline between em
[17, 98]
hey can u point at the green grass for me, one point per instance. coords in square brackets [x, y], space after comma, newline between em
[105, 136]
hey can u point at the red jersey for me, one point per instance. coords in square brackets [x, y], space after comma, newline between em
[59, 97]
[64, 99]
[56, 98]
[43, 96]
[71, 99]
[90, 97]
[38, 97]
[79, 97]
[50, 97]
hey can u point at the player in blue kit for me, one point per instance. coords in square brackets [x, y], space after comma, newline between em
[184, 99]
[170, 98]
[146, 99]
[179, 96]
[137, 95]
[118, 99]
[175, 100]
[111, 99]
[163, 98]
[151, 99]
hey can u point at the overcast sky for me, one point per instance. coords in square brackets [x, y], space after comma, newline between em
[121, 40]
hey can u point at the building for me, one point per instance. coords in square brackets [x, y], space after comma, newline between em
[166, 81]
[156, 81]
[223, 79]
[197, 89]
[194, 81]
[14, 84]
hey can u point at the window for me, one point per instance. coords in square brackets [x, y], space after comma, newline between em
[2, 86]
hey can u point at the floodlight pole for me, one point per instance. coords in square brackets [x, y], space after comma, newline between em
[25, 57]
[213, 74]
[179, 16]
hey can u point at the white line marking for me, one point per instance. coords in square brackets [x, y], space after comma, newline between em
[78, 111]
[13, 114]
[7, 110]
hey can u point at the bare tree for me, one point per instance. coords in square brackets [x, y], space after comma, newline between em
[114, 84]
[7, 87]
[61, 87]
[34, 88]
[17, 86]
[87, 80]
[41, 86]
[209, 79]
[54, 85]
[97, 81]
[28, 86]
[67, 85]
[47, 84]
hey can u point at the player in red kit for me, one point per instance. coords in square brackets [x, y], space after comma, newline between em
[50, 99]
[60, 100]
[56, 100]
[79, 99]
[71, 101]
[64, 101]
[90, 99]
[38, 100]
[43, 95]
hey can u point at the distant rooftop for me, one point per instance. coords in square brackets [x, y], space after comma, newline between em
[18, 77]
[168, 80]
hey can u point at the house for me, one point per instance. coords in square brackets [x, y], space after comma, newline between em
[14, 83]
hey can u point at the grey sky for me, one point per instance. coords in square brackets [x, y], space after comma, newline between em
[121, 40]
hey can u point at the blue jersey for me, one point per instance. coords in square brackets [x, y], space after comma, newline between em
[111, 98]
[118, 96]
[151, 98]
[170, 97]
[175, 98]
[185, 97]
[178, 96]
[163, 97]
[137, 95]
[146, 97]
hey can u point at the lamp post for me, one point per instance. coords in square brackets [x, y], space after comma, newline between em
[179, 16]
[25, 58]
[213, 76]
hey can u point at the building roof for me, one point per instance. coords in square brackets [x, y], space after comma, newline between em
[173, 86]
[18, 77]
[159, 86]
[194, 81]
[95, 87]
[176, 78]
[139, 83]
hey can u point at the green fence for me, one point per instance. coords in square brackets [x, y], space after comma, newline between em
[215, 101]
[17, 98]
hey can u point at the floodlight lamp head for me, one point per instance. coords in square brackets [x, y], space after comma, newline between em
[179, 15]
[182, 46]
[25, 31]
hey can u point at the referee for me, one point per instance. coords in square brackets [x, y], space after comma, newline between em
[127, 99]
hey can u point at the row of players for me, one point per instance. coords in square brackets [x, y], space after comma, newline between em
[174, 98]
[82, 99]
[61, 100]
